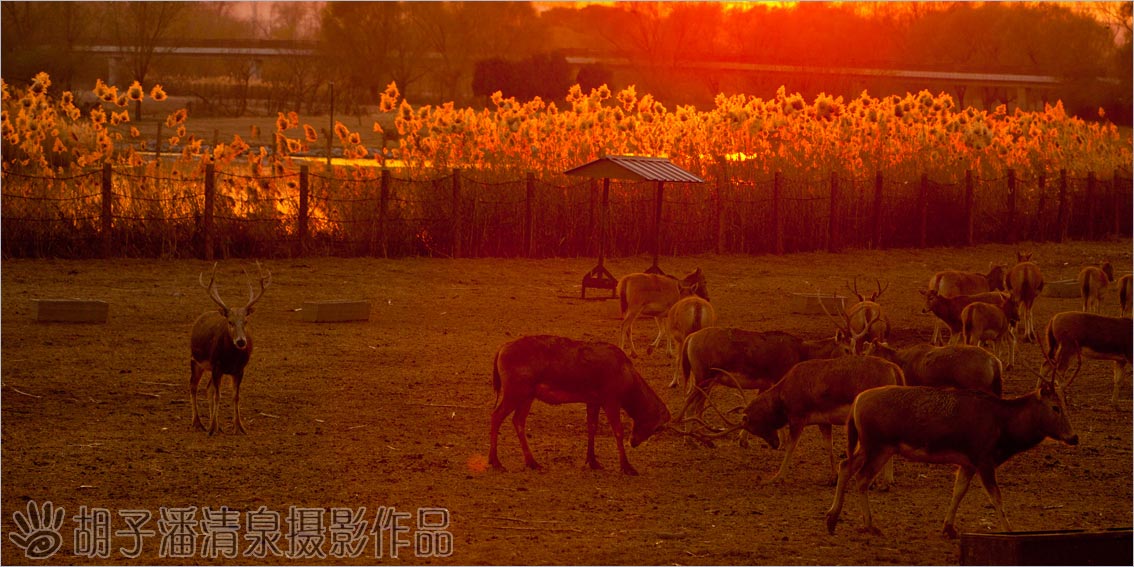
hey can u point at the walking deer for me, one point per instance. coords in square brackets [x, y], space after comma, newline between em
[953, 283]
[816, 392]
[1093, 281]
[558, 370]
[1025, 282]
[688, 315]
[221, 343]
[653, 295]
[972, 430]
[948, 310]
[1078, 334]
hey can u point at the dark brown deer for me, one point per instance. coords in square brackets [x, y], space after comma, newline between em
[948, 310]
[996, 326]
[221, 343]
[816, 392]
[951, 366]
[558, 370]
[687, 316]
[952, 283]
[1124, 295]
[970, 429]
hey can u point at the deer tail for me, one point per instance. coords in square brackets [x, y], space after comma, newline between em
[686, 365]
[852, 435]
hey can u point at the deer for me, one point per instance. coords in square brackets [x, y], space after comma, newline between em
[1124, 295]
[688, 315]
[1024, 283]
[953, 283]
[221, 343]
[816, 392]
[948, 310]
[863, 321]
[1078, 334]
[559, 370]
[950, 366]
[970, 429]
[1093, 281]
[746, 360]
[996, 326]
[653, 295]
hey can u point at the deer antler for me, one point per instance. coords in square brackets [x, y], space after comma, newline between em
[881, 289]
[265, 281]
[212, 287]
[838, 325]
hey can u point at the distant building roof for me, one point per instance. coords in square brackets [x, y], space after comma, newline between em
[634, 168]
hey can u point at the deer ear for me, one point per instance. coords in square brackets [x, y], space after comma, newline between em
[223, 311]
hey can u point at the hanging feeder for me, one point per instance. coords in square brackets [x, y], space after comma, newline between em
[629, 168]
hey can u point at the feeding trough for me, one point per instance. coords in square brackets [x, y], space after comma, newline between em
[817, 304]
[1058, 547]
[1062, 289]
[631, 168]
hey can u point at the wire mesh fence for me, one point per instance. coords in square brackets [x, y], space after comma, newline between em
[204, 212]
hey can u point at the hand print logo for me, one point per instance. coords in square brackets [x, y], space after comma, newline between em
[38, 533]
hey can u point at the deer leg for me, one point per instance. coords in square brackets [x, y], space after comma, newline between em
[614, 416]
[237, 425]
[676, 369]
[214, 401]
[626, 331]
[658, 339]
[875, 460]
[502, 410]
[936, 339]
[794, 432]
[592, 428]
[988, 480]
[960, 487]
[196, 370]
[1119, 373]
[520, 421]
[825, 431]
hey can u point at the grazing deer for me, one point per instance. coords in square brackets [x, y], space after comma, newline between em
[1124, 295]
[221, 343]
[996, 326]
[747, 360]
[558, 370]
[1092, 283]
[951, 366]
[864, 321]
[948, 310]
[973, 430]
[953, 283]
[816, 392]
[1025, 282]
[653, 295]
[1078, 334]
[688, 315]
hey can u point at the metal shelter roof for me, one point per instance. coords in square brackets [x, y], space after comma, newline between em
[634, 168]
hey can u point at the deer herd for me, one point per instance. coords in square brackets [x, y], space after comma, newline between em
[937, 403]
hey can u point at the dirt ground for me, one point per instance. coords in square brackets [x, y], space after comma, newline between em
[392, 415]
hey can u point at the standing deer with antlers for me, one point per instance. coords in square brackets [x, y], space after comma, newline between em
[864, 321]
[222, 344]
[1025, 282]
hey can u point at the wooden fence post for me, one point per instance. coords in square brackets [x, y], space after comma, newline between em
[832, 221]
[530, 191]
[210, 206]
[777, 213]
[1090, 205]
[304, 205]
[1062, 221]
[877, 233]
[969, 201]
[383, 197]
[107, 209]
[923, 210]
[1012, 236]
[456, 212]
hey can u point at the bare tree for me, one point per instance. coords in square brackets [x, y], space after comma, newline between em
[139, 28]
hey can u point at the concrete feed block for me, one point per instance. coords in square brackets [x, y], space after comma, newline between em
[809, 303]
[335, 311]
[1063, 289]
[71, 311]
